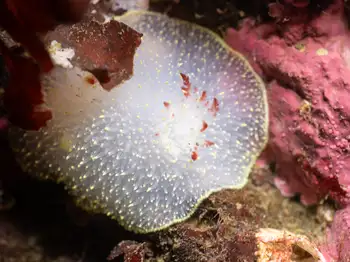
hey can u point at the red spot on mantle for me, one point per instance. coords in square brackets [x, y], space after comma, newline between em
[214, 107]
[91, 80]
[203, 96]
[185, 79]
[194, 156]
[208, 143]
[166, 104]
[204, 126]
[186, 89]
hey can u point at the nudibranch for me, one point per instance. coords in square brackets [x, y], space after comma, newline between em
[191, 121]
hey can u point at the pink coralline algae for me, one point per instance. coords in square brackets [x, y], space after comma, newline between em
[338, 238]
[305, 61]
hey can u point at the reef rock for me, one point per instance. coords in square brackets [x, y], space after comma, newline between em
[303, 55]
[338, 237]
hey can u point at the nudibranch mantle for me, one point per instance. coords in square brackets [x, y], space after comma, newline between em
[191, 121]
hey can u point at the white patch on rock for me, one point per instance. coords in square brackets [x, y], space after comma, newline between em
[107, 18]
[130, 4]
[61, 56]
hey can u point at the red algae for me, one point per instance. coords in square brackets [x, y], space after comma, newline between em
[308, 77]
[21, 22]
[23, 95]
[308, 95]
[94, 45]
[338, 237]
[132, 251]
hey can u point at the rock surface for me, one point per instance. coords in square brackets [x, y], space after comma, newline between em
[306, 65]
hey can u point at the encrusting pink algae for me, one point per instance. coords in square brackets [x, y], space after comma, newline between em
[308, 89]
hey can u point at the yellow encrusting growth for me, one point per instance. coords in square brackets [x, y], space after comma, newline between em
[191, 121]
